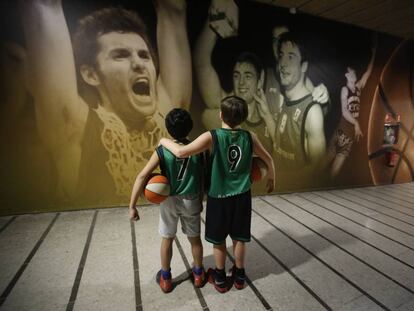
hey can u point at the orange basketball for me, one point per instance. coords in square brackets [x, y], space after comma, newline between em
[157, 189]
[259, 169]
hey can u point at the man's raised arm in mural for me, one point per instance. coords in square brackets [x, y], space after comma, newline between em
[208, 80]
[100, 102]
[174, 52]
[60, 112]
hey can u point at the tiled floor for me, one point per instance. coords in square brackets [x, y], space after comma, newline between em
[329, 250]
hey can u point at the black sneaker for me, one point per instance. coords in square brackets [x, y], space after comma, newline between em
[239, 277]
[218, 279]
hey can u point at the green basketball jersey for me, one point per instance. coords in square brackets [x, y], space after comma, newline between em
[184, 174]
[230, 162]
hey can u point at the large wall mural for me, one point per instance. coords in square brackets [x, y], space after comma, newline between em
[86, 85]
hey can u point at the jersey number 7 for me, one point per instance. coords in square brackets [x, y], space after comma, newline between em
[183, 168]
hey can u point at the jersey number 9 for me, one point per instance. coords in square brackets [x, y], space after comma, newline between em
[234, 156]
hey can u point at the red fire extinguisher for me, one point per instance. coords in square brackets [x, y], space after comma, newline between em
[391, 131]
[391, 158]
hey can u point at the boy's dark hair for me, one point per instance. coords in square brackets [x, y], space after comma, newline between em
[298, 40]
[233, 110]
[90, 27]
[179, 123]
[250, 58]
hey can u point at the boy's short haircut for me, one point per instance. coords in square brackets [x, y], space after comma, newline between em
[233, 110]
[178, 123]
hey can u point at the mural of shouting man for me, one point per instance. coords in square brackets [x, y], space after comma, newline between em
[100, 103]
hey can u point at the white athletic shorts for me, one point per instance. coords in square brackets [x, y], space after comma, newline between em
[187, 208]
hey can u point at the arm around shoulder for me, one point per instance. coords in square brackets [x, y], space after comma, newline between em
[200, 144]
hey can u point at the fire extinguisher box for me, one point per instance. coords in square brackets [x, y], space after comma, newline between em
[391, 131]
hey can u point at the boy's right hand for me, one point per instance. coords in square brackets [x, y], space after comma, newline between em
[133, 213]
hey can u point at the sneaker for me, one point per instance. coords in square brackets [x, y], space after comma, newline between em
[218, 280]
[239, 277]
[165, 284]
[199, 279]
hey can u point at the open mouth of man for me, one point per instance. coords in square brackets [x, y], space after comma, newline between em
[141, 88]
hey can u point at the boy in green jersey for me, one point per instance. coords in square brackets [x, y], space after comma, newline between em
[229, 198]
[184, 202]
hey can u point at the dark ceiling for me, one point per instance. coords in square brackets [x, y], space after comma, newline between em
[395, 17]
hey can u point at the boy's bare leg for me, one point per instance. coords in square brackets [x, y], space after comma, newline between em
[197, 251]
[239, 251]
[220, 255]
[166, 253]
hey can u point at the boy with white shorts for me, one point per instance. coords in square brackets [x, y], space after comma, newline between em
[184, 202]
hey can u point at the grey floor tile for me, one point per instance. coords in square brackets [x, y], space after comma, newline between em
[333, 290]
[148, 249]
[348, 208]
[375, 205]
[391, 195]
[384, 237]
[390, 246]
[398, 193]
[407, 256]
[48, 279]
[4, 222]
[408, 306]
[17, 241]
[377, 285]
[367, 196]
[361, 303]
[108, 282]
